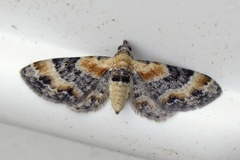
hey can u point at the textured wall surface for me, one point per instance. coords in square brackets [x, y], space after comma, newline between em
[198, 35]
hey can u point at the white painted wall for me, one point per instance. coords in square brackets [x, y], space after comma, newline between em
[199, 35]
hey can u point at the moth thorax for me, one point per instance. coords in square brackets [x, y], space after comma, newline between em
[122, 59]
[119, 89]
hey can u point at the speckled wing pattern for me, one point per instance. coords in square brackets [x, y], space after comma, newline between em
[81, 83]
[156, 90]
[160, 90]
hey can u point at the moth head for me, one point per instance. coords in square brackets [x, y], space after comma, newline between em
[125, 48]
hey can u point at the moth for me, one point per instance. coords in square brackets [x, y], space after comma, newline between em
[156, 90]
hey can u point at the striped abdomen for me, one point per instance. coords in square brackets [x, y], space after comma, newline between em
[119, 88]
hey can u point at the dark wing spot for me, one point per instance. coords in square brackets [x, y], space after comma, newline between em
[196, 93]
[171, 99]
[45, 79]
[93, 99]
